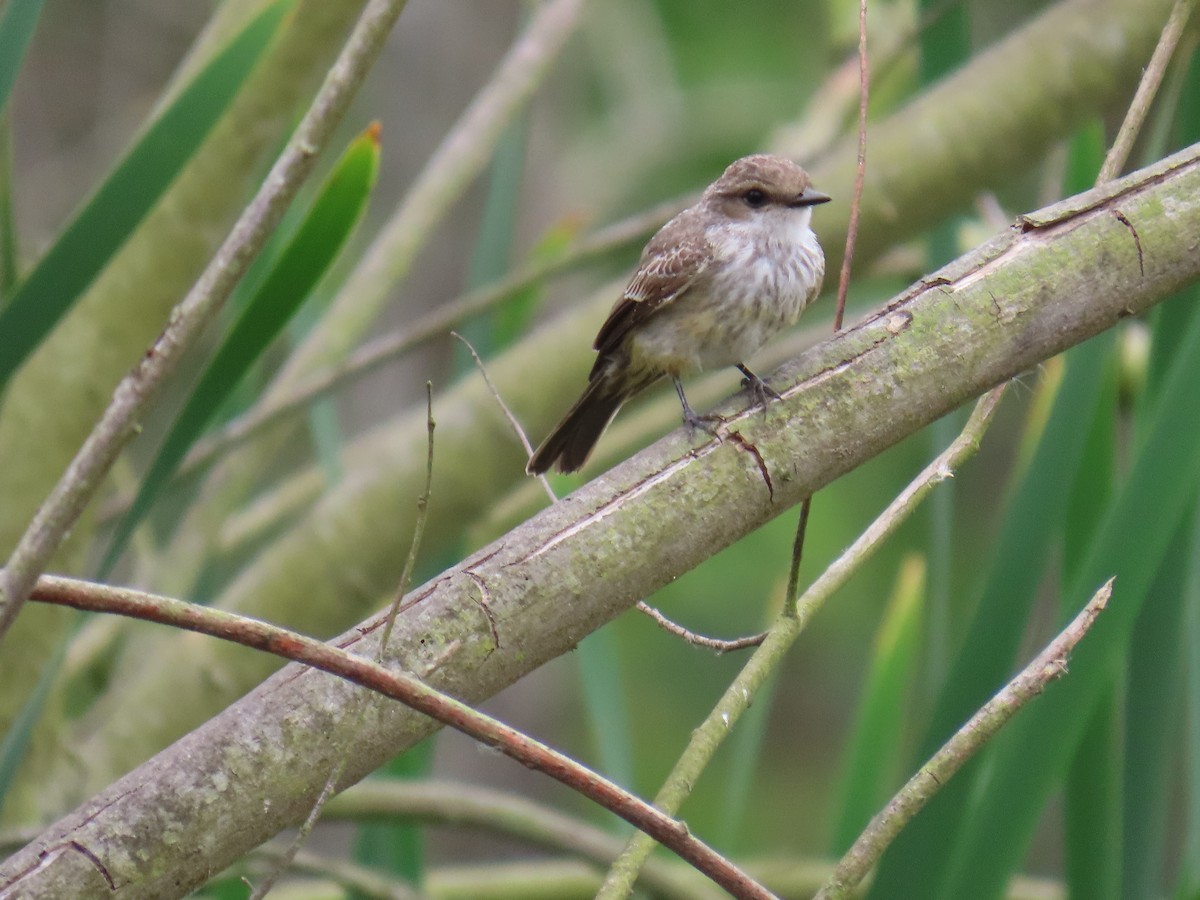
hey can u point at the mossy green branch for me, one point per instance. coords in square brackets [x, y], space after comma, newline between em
[1068, 273]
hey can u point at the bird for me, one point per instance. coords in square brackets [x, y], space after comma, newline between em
[712, 286]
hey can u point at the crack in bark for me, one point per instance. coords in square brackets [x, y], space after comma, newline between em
[485, 604]
[1137, 241]
[740, 440]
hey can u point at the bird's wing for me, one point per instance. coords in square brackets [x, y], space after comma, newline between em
[671, 263]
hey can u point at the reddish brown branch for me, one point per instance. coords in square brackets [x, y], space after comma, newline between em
[407, 689]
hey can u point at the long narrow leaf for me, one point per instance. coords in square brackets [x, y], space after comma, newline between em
[874, 748]
[17, 24]
[1027, 537]
[1151, 726]
[1092, 804]
[110, 216]
[1029, 760]
[299, 267]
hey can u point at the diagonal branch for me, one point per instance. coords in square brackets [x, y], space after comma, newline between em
[1048, 665]
[397, 685]
[1066, 273]
[985, 123]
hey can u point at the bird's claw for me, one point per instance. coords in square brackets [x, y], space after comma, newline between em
[760, 391]
[707, 423]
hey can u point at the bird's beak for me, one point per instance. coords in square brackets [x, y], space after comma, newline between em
[810, 197]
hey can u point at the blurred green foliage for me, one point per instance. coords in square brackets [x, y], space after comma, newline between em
[1018, 537]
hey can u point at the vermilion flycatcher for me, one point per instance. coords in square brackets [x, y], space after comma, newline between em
[713, 285]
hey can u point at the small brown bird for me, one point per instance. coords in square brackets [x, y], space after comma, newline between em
[713, 285]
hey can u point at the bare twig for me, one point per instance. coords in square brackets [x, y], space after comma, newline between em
[1139, 108]
[737, 697]
[287, 856]
[415, 694]
[359, 881]
[508, 413]
[860, 175]
[460, 157]
[965, 743]
[718, 645]
[514, 816]
[133, 395]
[699, 640]
[388, 347]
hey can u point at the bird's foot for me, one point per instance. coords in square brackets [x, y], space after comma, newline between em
[708, 423]
[759, 390]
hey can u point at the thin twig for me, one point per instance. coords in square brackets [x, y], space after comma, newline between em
[137, 390]
[513, 816]
[954, 754]
[860, 174]
[388, 347]
[792, 592]
[357, 880]
[1139, 107]
[737, 697]
[458, 160]
[508, 413]
[699, 640]
[717, 645]
[413, 693]
[356, 719]
[1051, 663]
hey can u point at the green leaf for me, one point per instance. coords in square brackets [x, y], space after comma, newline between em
[1092, 803]
[1189, 877]
[873, 752]
[17, 24]
[298, 269]
[493, 246]
[118, 207]
[606, 711]
[1028, 761]
[1029, 533]
[15, 742]
[397, 847]
[1151, 725]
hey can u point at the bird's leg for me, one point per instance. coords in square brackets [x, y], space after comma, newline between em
[759, 389]
[689, 416]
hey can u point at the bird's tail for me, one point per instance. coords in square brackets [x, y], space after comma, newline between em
[572, 440]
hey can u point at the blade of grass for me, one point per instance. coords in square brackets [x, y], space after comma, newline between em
[8, 225]
[1150, 725]
[18, 22]
[493, 247]
[1156, 663]
[106, 220]
[1092, 802]
[1027, 764]
[1028, 534]
[397, 847]
[605, 709]
[945, 43]
[301, 264]
[1188, 882]
[16, 739]
[873, 752]
[1092, 806]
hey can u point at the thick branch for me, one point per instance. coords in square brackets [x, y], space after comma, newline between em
[1066, 274]
[914, 172]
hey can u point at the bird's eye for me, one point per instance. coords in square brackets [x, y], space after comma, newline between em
[755, 198]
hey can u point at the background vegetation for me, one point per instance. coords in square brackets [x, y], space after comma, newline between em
[493, 164]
